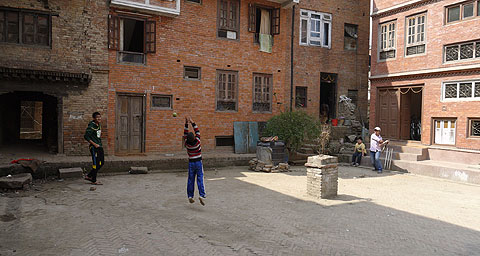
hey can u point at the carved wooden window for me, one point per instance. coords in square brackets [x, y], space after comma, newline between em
[262, 93]
[227, 90]
[462, 90]
[450, 91]
[474, 127]
[464, 51]
[465, 90]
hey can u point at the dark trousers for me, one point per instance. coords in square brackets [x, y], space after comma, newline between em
[97, 162]
[357, 157]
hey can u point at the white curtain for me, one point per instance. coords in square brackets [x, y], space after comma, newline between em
[265, 36]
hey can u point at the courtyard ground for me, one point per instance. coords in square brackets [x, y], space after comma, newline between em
[247, 213]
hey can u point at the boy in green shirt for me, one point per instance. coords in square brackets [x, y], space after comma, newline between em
[92, 135]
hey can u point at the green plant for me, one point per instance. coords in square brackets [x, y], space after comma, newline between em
[294, 128]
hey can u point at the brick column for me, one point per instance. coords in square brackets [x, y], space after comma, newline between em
[322, 176]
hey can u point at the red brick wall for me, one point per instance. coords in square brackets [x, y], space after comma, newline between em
[191, 39]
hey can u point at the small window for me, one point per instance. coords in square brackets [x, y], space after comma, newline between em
[474, 127]
[300, 97]
[262, 93]
[351, 37]
[445, 132]
[228, 19]
[191, 73]
[353, 95]
[195, 1]
[226, 90]
[462, 11]
[453, 14]
[224, 141]
[162, 101]
[468, 10]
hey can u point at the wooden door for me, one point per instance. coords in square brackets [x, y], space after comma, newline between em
[405, 116]
[129, 124]
[388, 116]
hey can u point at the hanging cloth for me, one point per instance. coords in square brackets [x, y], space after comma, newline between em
[265, 36]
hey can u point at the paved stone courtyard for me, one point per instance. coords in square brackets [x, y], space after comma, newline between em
[247, 213]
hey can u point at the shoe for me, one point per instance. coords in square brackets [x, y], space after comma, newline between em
[379, 171]
[202, 200]
[353, 164]
[357, 165]
[190, 199]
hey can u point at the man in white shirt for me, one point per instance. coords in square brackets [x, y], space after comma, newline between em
[376, 143]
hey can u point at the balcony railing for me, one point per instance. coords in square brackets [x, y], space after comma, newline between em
[159, 7]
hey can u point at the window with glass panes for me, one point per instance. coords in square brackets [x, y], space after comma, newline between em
[416, 34]
[24, 27]
[315, 28]
[227, 88]
[387, 40]
[462, 11]
[262, 93]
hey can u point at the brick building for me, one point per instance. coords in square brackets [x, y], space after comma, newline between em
[226, 61]
[426, 67]
[53, 73]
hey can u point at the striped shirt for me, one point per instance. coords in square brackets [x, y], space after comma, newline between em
[194, 151]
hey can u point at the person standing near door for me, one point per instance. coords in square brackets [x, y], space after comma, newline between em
[93, 136]
[195, 166]
[376, 143]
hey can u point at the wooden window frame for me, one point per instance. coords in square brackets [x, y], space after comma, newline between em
[387, 48]
[21, 18]
[237, 21]
[325, 18]
[415, 35]
[270, 92]
[152, 96]
[297, 98]
[470, 130]
[192, 79]
[474, 83]
[459, 45]
[252, 20]
[194, 2]
[476, 12]
[434, 127]
[217, 89]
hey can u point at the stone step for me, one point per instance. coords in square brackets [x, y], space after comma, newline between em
[138, 170]
[16, 181]
[66, 173]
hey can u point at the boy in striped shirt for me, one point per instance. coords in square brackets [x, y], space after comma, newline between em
[195, 167]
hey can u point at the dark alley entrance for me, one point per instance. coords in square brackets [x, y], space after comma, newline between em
[328, 95]
[29, 120]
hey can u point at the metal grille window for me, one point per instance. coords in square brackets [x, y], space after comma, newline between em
[23, 27]
[227, 87]
[262, 93]
[300, 97]
[416, 34]
[462, 90]
[475, 127]
[162, 101]
[315, 28]
[387, 40]
[463, 51]
[228, 18]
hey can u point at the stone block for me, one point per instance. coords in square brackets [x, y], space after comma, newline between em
[66, 173]
[15, 181]
[138, 170]
[322, 176]
[321, 160]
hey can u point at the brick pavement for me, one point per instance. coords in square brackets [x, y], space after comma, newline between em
[247, 213]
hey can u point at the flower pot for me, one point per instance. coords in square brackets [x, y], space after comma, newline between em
[334, 122]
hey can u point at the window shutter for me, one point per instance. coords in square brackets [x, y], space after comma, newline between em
[252, 18]
[150, 37]
[276, 21]
[113, 32]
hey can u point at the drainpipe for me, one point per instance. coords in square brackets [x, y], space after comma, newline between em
[291, 58]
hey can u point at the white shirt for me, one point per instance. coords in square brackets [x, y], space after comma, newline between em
[375, 143]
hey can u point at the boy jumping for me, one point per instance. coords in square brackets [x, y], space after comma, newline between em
[195, 167]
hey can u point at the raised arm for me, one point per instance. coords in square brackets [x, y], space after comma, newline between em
[185, 130]
[195, 128]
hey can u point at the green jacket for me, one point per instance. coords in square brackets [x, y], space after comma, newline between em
[93, 133]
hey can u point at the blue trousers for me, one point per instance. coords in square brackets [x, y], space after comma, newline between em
[195, 169]
[375, 159]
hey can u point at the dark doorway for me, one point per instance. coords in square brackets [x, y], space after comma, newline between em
[328, 95]
[411, 113]
[29, 120]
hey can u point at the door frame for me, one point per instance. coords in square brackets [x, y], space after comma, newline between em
[329, 78]
[399, 96]
[144, 110]
[432, 131]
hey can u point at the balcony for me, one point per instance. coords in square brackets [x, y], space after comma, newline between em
[157, 7]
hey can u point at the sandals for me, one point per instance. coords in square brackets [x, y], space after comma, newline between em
[97, 183]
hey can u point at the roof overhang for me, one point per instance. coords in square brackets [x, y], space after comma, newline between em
[45, 76]
[148, 8]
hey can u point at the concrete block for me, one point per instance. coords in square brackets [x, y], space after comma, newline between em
[15, 181]
[321, 160]
[138, 170]
[66, 173]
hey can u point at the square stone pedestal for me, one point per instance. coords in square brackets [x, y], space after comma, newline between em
[322, 176]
